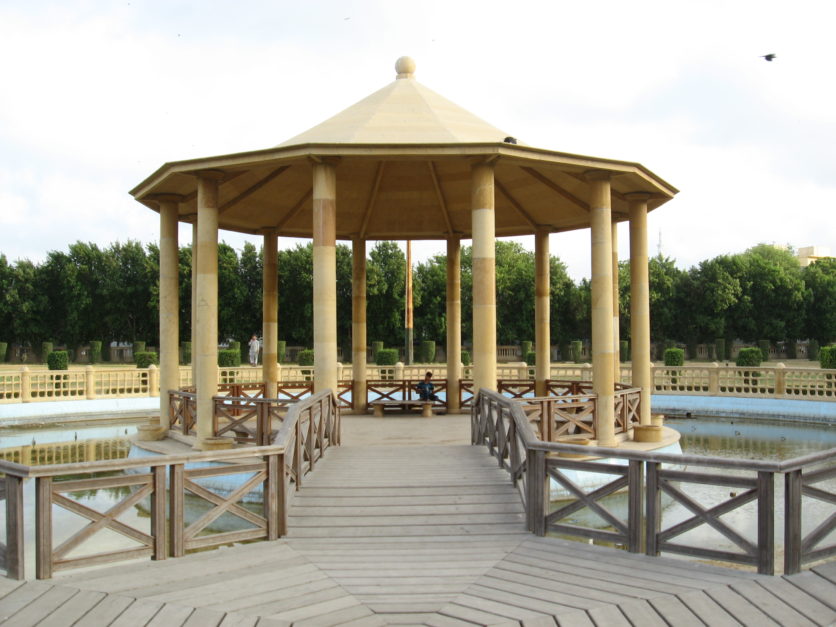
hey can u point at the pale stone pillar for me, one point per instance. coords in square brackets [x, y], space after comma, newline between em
[408, 326]
[325, 276]
[616, 335]
[270, 314]
[484, 277]
[454, 323]
[205, 347]
[602, 306]
[193, 335]
[358, 324]
[640, 302]
[169, 306]
[542, 329]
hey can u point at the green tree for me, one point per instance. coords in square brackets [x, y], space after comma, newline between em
[430, 299]
[820, 317]
[386, 275]
[296, 295]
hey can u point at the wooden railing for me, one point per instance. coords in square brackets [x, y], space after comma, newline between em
[308, 429]
[502, 425]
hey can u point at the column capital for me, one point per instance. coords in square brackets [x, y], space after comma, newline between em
[160, 198]
[597, 175]
[212, 175]
[483, 160]
[268, 230]
[637, 196]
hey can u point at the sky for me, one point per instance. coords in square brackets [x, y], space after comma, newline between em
[96, 95]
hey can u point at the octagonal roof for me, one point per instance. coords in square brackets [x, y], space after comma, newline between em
[404, 155]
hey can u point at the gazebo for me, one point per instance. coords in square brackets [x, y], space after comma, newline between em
[404, 164]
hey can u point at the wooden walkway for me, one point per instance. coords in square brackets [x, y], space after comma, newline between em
[430, 535]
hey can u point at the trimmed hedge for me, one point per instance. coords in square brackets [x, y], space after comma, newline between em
[376, 348]
[623, 350]
[46, 349]
[386, 357]
[531, 358]
[763, 345]
[146, 358]
[229, 358]
[186, 353]
[281, 351]
[827, 357]
[306, 357]
[674, 357]
[749, 357]
[575, 351]
[58, 360]
[466, 358]
[95, 351]
[138, 347]
[813, 350]
[427, 352]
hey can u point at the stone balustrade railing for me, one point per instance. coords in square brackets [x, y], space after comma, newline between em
[777, 381]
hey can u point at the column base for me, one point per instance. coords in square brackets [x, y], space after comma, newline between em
[213, 444]
[151, 433]
[657, 420]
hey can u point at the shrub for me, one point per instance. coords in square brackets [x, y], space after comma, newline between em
[306, 357]
[144, 359]
[813, 350]
[531, 358]
[720, 348]
[376, 348]
[525, 348]
[235, 345]
[763, 345]
[138, 347]
[386, 357]
[465, 358]
[427, 352]
[229, 358]
[3, 347]
[95, 351]
[46, 349]
[575, 351]
[674, 356]
[281, 351]
[186, 352]
[623, 350]
[749, 357]
[827, 357]
[58, 360]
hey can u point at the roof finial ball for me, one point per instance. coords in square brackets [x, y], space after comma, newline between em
[405, 67]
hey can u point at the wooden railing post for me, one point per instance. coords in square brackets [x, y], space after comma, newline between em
[766, 523]
[537, 484]
[43, 527]
[297, 454]
[311, 439]
[635, 489]
[158, 512]
[653, 503]
[792, 522]
[176, 510]
[270, 497]
[281, 493]
[15, 551]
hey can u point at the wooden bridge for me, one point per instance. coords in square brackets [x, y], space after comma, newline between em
[410, 534]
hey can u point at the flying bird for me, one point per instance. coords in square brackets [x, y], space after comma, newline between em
[769, 57]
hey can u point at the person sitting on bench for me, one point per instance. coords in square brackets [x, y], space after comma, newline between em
[425, 388]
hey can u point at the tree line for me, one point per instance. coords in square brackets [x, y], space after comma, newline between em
[92, 293]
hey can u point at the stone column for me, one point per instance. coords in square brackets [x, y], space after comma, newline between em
[602, 306]
[616, 335]
[193, 308]
[408, 326]
[640, 301]
[325, 275]
[169, 307]
[454, 323]
[205, 348]
[270, 314]
[542, 329]
[358, 324]
[484, 277]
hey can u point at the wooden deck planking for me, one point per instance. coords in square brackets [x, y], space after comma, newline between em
[414, 535]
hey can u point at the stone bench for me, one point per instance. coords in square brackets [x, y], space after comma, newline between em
[426, 407]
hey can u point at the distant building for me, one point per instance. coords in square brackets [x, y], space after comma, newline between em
[809, 254]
